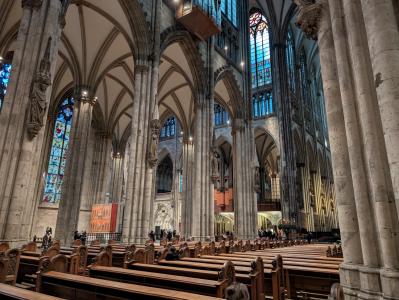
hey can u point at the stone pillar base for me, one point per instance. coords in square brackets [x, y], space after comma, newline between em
[370, 283]
[350, 280]
[390, 284]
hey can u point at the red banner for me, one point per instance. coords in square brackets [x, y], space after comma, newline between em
[103, 218]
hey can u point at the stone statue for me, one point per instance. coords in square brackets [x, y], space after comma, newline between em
[38, 101]
[257, 180]
[308, 19]
[153, 149]
[215, 164]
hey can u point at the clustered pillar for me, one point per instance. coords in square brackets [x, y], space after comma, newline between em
[359, 49]
[24, 114]
[72, 187]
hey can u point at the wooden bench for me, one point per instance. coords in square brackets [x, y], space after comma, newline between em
[260, 280]
[182, 283]
[8, 292]
[9, 266]
[305, 275]
[72, 286]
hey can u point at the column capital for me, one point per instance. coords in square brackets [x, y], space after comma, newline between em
[238, 125]
[32, 4]
[83, 94]
[309, 16]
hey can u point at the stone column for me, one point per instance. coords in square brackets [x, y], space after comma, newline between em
[201, 210]
[383, 41]
[188, 177]
[138, 155]
[289, 206]
[245, 206]
[71, 197]
[340, 148]
[102, 171]
[88, 184]
[115, 177]
[374, 155]
[23, 114]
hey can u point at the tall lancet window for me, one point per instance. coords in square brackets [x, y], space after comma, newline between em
[261, 68]
[169, 128]
[59, 146]
[5, 71]
[229, 9]
[221, 115]
[290, 57]
[260, 50]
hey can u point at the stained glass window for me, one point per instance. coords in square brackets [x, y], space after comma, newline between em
[221, 115]
[59, 146]
[169, 128]
[262, 104]
[5, 71]
[260, 50]
[290, 57]
[229, 9]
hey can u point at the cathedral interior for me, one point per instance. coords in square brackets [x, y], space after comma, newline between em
[205, 118]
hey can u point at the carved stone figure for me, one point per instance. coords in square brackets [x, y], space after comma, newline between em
[153, 149]
[38, 102]
[309, 15]
[257, 180]
[215, 164]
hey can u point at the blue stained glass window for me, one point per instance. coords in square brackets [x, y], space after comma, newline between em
[59, 146]
[169, 128]
[262, 104]
[229, 9]
[290, 57]
[5, 71]
[260, 50]
[221, 115]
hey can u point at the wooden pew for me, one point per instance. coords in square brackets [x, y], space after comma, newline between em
[71, 286]
[261, 278]
[254, 280]
[31, 265]
[304, 274]
[8, 292]
[176, 282]
[9, 265]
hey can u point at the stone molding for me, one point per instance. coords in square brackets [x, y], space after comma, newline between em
[308, 19]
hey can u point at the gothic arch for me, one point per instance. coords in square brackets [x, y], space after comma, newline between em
[225, 74]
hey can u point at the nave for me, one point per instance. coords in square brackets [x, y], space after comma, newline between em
[200, 131]
[257, 269]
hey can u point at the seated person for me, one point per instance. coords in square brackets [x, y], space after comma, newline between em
[172, 254]
[237, 291]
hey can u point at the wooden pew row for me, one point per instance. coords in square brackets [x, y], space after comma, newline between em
[191, 284]
[31, 266]
[9, 292]
[254, 280]
[300, 276]
[270, 280]
[70, 286]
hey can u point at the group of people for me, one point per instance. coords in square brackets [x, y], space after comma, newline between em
[270, 234]
[163, 234]
[80, 236]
